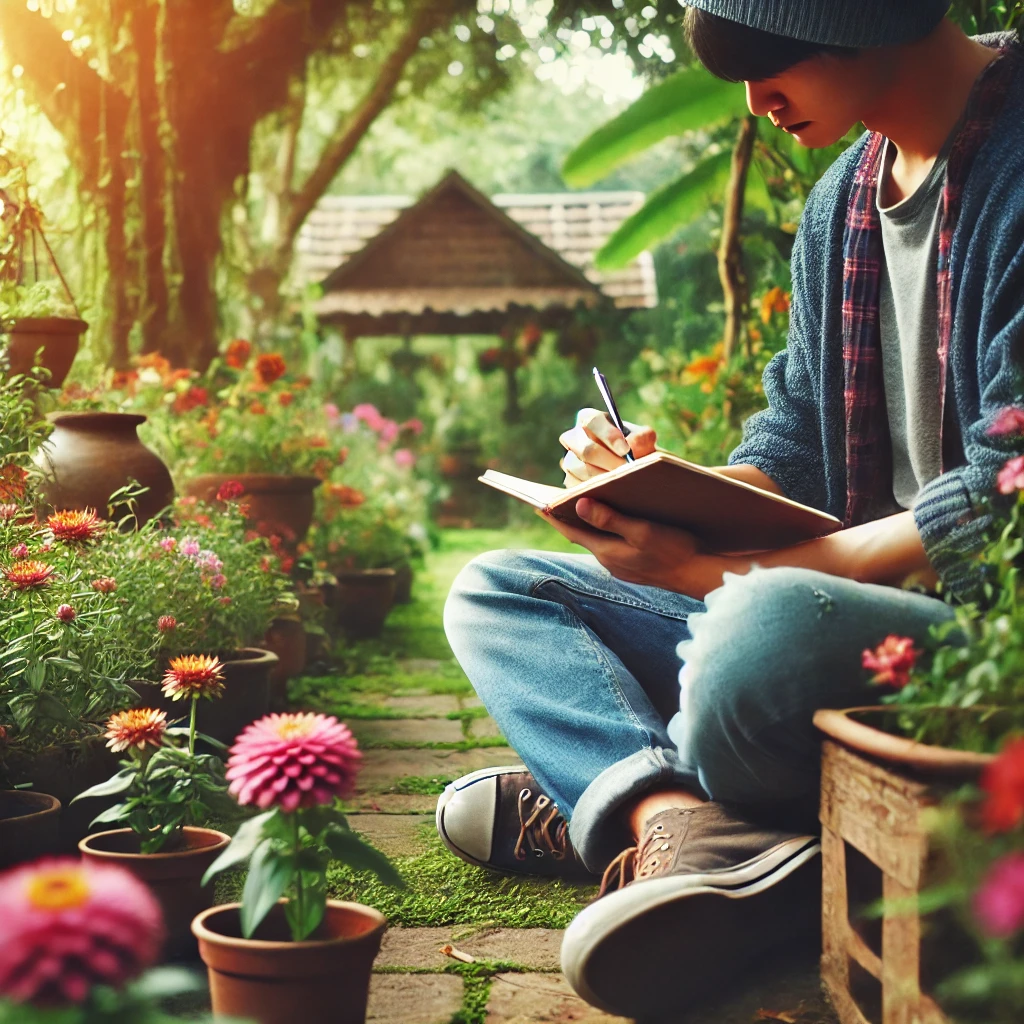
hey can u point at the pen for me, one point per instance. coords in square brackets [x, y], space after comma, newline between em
[609, 402]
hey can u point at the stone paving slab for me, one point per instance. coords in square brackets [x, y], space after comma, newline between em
[529, 998]
[382, 768]
[413, 998]
[395, 803]
[481, 728]
[429, 705]
[407, 730]
[536, 948]
[396, 835]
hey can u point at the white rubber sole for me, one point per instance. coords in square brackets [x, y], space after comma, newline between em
[616, 916]
[451, 789]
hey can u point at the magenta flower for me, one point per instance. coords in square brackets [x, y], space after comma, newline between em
[66, 613]
[999, 903]
[293, 760]
[166, 623]
[1009, 423]
[190, 547]
[70, 926]
[404, 458]
[209, 562]
[891, 661]
[1011, 476]
[388, 431]
[168, 543]
[19, 551]
[333, 413]
[370, 415]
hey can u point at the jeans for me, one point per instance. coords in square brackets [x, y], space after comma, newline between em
[582, 673]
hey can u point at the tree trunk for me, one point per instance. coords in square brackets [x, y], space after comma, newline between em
[118, 269]
[730, 254]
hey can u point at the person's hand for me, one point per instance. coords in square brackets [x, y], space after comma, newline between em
[638, 551]
[595, 445]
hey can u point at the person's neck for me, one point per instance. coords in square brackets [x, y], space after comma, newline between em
[924, 101]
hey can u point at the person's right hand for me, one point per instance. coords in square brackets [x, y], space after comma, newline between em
[595, 445]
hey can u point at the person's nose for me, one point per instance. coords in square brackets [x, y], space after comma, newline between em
[763, 98]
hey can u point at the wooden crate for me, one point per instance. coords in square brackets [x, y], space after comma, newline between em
[878, 812]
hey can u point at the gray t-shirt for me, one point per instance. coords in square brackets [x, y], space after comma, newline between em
[909, 319]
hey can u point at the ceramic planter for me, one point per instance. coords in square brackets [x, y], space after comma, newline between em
[246, 695]
[287, 639]
[277, 504]
[271, 980]
[871, 731]
[90, 455]
[362, 600]
[173, 875]
[56, 336]
[29, 826]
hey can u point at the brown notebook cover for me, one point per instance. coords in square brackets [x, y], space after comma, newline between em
[727, 515]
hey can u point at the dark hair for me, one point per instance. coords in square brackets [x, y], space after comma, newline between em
[738, 53]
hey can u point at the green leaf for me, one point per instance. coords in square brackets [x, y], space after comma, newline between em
[667, 210]
[164, 982]
[240, 849]
[686, 101]
[116, 784]
[270, 871]
[350, 849]
[304, 920]
[111, 814]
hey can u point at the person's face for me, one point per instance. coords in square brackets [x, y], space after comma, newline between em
[821, 99]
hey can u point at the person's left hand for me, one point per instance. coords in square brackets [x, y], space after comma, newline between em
[638, 551]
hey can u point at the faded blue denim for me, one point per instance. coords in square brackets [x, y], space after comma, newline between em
[582, 673]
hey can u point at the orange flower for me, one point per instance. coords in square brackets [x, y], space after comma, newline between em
[258, 409]
[286, 398]
[194, 398]
[72, 525]
[123, 380]
[135, 728]
[194, 675]
[347, 496]
[28, 574]
[12, 483]
[774, 301]
[154, 361]
[705, 369]
[238, 352]
[105, 585]
[270, 367]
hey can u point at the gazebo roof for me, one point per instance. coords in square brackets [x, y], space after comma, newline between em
[456, 260]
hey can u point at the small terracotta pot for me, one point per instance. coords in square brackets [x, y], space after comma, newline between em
[287, 639]
[403, 583]
[246, 695]
[90, 455]
[57, 336]
[362, 600]
[173, 875]
[869, 730]
[277, 504]
[29, 826]
[271, 980]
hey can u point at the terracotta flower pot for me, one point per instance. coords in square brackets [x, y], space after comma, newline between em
[58, 338]
[277, 504]
[872, 731]
[90, 455]
[29, 826]
[173, 875]
[246, 695]
[362, 600]
[64, 772]
[271, 980]
[287, 639]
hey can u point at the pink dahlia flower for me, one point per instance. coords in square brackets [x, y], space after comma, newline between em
[70, 926]
[291, 761]
[1011, 476]
[1009, 423]
[999, 903]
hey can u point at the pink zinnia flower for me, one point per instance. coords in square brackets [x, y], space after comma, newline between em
[66, 613]
[19, 551]
[999, 903]
[294, 760]
[168, 543]
[1011, 476]
[71, 926]
[404, 458]
[190, 547]
[166, 623]
[218, 580]
[891, 661]
[369, 415]
[1009, 423]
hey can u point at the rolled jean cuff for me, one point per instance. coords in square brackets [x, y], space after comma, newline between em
[596, 835]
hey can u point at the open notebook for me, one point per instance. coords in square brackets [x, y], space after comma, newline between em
[728, 516]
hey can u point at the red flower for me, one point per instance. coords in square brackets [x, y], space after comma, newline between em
[1003, 783]
[66, 613]
[166, 623]
[891, 661]
[72, 525]
[1011, 476]
[270, 367]
[238, 352]
[194, 675]
[286, 398]
[124, 380]
[346, 496]
[28, 574]
[105, 585]
[257, 409]
[12, 483]
[230, 490]
[194, 398]
[1009, 423]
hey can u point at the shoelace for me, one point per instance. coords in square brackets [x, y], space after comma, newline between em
[541, 827]
[637, 862]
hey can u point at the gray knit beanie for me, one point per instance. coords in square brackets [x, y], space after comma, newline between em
[854, 23]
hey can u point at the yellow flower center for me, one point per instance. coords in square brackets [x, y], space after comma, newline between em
[63, 889]
[293, 729]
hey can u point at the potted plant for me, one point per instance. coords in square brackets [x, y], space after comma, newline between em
[166, 791]
[319, 952]
[37, 312]
[77, 947]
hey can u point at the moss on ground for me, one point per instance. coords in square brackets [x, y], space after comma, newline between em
[443, 890]
[421, 785]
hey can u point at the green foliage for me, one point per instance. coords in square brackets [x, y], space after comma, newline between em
[978, 16]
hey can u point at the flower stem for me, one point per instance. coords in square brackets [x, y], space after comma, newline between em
[300, 915]
[192, 728]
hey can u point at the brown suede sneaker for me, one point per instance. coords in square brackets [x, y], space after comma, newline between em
[499, 818]
[702, 897]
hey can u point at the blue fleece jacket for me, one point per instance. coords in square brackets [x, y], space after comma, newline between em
[800, 440]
